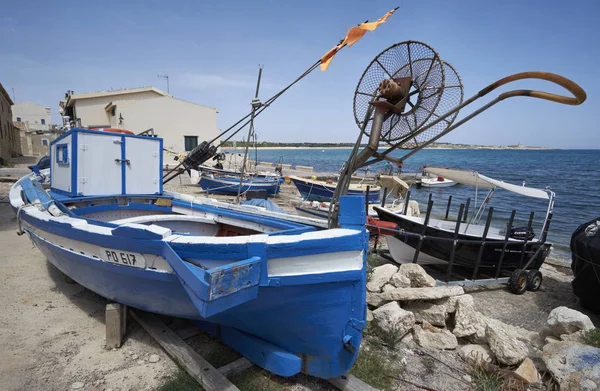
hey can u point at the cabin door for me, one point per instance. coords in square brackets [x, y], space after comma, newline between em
[143, 170]
[99, 168]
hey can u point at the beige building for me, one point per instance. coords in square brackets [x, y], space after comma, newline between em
[181, 124]
[10, 142]
[33, 115]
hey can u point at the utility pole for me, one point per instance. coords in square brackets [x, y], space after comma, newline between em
[166, 77]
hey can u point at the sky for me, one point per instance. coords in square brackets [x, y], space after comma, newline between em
[211, 51]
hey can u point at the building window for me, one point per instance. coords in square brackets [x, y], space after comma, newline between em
[45, 142]
[43, 121]
[191, 142]
[18, 119]
[62, 153]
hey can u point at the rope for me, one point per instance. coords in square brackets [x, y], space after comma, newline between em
[20, 231]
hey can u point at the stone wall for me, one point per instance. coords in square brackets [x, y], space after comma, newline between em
[10, 141]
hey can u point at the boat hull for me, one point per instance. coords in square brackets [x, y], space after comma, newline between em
[323, 193]
[291, 301]
[231, 185]
[434, 250]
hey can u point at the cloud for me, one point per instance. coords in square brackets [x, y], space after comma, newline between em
[202, 81]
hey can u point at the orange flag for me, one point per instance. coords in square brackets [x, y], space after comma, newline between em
[354, 34]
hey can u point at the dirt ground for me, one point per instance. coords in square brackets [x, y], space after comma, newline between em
[52, 332]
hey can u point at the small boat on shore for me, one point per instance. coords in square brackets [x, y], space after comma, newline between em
[469, 244]
[231, 185]
[223, 172]
[253, 273]
[314, 190]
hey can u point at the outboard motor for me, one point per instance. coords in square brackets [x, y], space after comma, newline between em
[521, 233]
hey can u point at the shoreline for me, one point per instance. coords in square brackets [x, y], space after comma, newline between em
[444, 148]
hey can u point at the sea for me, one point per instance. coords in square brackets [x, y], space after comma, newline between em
[574, 175]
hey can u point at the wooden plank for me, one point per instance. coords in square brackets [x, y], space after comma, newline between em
[115, 322]
[350, 383]
[200, 369]
[233, 368]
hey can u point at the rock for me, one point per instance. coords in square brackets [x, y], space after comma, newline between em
[141, 362]
[77, 385]
[449, 303]
[573, 365]
[563, 320]
[400, 281]
[413, 273]
[375, 299]
[432, 313]
[135, 357]
[507, 349]
[390, 318]
[528, 371]
[381, 275]
[578, 336]
[410, 294]
[408, 340]
[476, 353]
[431, 337]
[369, 315]
[550, 339]
[388, 287]
[467, 321]
[467, 378]
[154, 358]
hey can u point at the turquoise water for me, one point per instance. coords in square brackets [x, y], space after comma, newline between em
[574, 175]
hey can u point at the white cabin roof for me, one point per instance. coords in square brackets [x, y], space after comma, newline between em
[473, 178]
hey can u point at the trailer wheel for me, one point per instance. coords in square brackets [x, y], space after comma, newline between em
[518, 282]
[534, 280]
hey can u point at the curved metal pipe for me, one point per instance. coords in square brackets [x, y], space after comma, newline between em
[578, 92]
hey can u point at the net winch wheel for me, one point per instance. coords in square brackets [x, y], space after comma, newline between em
[411, 77]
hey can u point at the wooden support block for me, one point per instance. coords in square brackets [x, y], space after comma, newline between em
[116, 324]
[350, 383]
[238, 366]
[194, 364]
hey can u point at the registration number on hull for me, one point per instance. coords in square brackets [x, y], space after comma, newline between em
[123, 258]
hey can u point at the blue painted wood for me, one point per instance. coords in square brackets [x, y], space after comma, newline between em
[216, 290]
[265, 354]
[233, 277]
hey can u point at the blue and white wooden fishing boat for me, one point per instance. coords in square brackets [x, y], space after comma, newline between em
[313, 190]
[230, 185]
[288, 297]
[221, 172]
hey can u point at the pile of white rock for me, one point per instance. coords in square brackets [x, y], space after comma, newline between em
[407, 304]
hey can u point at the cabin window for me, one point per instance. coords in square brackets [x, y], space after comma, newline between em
[43, 121]
[191, 142]
[62, 153]
[18, 119]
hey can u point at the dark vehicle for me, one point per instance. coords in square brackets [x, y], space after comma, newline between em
[42, 164]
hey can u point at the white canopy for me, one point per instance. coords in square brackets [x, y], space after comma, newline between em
[396, 186]
[473, 178]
